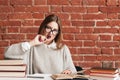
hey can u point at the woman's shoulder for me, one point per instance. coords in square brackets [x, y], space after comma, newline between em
[65, 46]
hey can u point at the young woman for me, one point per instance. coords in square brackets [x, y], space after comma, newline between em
[45, 53]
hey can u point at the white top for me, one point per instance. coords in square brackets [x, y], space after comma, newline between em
[42, 58]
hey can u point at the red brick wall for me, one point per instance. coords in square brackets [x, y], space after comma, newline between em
[90, 27]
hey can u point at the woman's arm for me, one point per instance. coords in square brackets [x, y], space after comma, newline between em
[68, 63]
[17, 51]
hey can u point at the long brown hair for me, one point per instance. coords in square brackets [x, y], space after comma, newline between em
[47, 20]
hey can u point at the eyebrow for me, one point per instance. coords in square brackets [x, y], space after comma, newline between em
[51, 27]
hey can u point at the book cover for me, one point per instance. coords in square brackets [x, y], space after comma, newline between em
[104, 70]
[13, 68]
[104, 78]
[11, 62]
[105, 75]
[13, 74]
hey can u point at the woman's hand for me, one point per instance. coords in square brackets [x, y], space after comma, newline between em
[67, 72]
[39, 39]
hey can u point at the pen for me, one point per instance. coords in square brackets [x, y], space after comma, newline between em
[35, 77]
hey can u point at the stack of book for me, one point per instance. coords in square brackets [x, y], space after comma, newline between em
[12, 68]
[105, 73]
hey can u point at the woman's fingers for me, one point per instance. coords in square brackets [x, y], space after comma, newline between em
[66, 72]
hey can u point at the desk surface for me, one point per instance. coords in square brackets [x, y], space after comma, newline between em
[48, 78]
[30, 77]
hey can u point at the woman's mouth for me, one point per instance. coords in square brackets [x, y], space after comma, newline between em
[48, 36]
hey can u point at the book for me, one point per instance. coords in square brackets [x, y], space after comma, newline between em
[103, 78]
[104, 75]
[13, 74]
[104, 70]
[13, 68]
[11, 62]
[69, 76]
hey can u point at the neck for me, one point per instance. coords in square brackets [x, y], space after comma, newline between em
[48, 42]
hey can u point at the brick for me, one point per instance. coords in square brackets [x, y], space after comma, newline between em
[3, 29]
[28, 23]
[29, 30]
[56, 8]
[94, 16]
[107, 44]
[3, 16]
[117, 64]
[89, 50]
[38, 15]
[37, 22]
[4, 2]
[63, 16]
[74, 9]
[20, 9]
[6, 9]
[66, 23]
[106, 58]
[1, 56]
[40, 2]
[86, 37]
[10, 23]
[112, 2]
[109, 9]
[92, 10]
[73, 43]
[4, 43]
[106, 37]
[105, 30]
[2, 52]
[83, 23]
[116, 51]
[76, 16]
[21, 2]
[40, 9]
[87, 30]
[118, 2]
[73, 50]
[77, 58]
[89, 43]
[76, 2]
[107, 51]
[13, 29]
[90, 58]
[89, 64]
[112, 16]
[116, 37]
[68, 36]
[57, 2]
[70, 30]
[101, 23]
[20, 16]
[94, 2]
[114, 23]
[13, 36]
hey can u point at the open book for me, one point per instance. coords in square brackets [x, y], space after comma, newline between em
[69, 76]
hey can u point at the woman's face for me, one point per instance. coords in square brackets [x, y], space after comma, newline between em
[51, 31]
